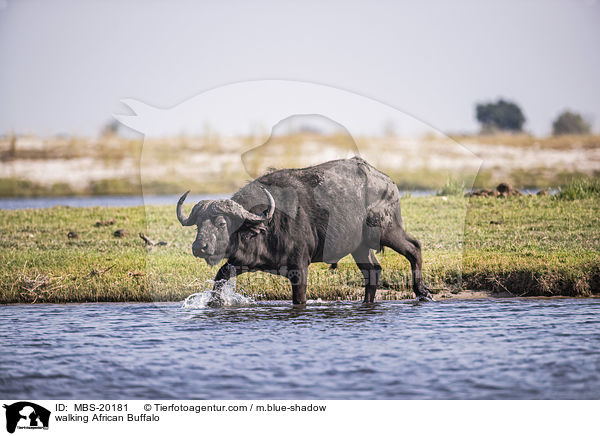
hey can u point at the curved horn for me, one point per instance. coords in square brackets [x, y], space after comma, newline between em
[185, 221]
[268, 214]
[233, 208]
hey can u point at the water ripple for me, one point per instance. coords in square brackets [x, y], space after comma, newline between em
[480, 349]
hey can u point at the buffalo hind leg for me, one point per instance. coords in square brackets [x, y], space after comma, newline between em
[409, 247]
[298, 277]
[371, 270]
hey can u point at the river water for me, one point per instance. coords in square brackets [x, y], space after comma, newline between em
[470, 349]
[123, 200]
[100, 200]
[133, 200]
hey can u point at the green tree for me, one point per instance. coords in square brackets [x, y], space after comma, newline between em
[501, 115]
[570, 123]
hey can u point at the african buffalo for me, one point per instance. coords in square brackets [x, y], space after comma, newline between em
[287, 219]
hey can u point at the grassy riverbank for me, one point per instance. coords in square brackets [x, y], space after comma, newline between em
[530, 246]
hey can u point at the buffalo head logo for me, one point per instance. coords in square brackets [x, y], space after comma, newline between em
[27, 415]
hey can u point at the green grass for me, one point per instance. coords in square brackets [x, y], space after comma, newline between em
[560, 142]
[452, 187]
[580, 188]
[13, 187]
[523, 245]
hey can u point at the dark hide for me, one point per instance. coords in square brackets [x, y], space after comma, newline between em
[322, 214]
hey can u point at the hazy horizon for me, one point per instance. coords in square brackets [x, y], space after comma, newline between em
[67, 64]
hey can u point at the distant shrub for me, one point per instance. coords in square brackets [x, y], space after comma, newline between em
[502, 115]
[579, 189]
[570, 123]
[111, 128]
[113, 187]
[13, 187]
[452, 187]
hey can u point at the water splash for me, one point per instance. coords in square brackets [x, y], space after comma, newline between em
[317, 301]
[225, 297]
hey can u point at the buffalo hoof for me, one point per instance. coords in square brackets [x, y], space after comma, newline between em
[425, 295]
[425, 298]
[215, 300]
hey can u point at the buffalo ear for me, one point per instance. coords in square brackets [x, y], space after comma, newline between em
[259, 228]
[255, 228]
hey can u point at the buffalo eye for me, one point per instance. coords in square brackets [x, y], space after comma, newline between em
[251, 233]
[221, 223]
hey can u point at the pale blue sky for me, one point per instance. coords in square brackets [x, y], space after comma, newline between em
[66, 64]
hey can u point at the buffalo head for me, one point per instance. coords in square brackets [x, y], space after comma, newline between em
[217, 220]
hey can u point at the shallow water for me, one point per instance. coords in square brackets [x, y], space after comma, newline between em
[124, 200]
[155, 200]
[100, 200]
[476, 349]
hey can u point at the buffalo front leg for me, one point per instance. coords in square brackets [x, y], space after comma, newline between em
[225, 273]
[298, 277]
